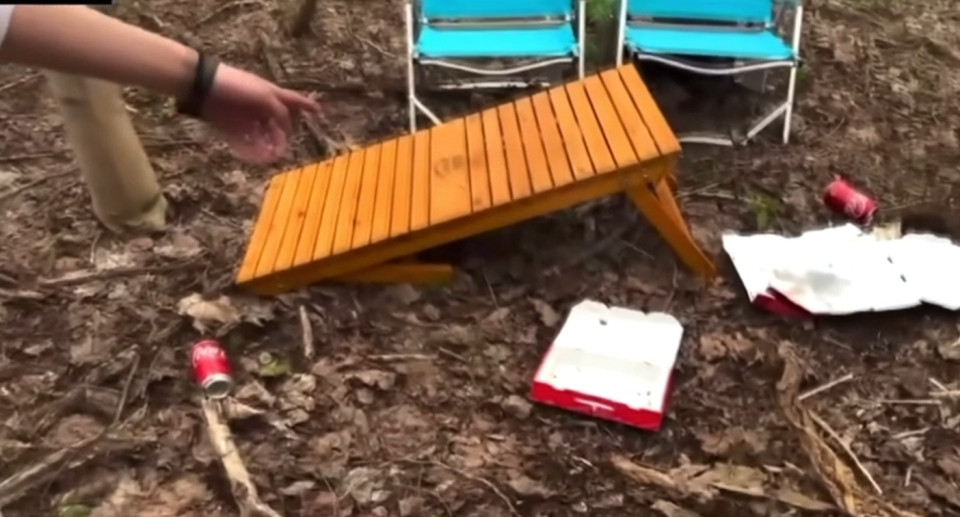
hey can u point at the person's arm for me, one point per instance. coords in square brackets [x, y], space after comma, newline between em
[80, 40]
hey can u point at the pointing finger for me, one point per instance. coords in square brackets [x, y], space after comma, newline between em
[297, 101]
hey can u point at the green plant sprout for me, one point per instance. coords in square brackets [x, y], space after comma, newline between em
[765, 210]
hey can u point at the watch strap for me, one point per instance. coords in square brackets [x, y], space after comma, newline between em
[192, 104]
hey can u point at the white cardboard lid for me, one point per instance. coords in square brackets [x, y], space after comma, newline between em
[613, 353]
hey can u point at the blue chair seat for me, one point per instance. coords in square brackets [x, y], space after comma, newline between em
[757, 11]
[452, 42]
[759, 45]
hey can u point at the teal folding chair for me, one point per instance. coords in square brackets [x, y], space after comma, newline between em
[743, 33]
[455, 34]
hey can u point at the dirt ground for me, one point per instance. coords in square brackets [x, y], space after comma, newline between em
[414, 402]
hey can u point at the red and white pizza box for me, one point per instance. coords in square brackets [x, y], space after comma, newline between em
[611, 363]
[843, 270]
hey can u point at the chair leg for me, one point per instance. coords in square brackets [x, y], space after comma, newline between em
[786, 124]
[622, 33]
[413, 115]
[660, 208]
[791, 93]
[581, 38]
[411, 84]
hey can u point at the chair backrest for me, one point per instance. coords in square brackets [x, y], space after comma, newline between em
[493, 9]
[724, 11]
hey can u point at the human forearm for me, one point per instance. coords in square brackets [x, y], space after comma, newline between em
[79, 40]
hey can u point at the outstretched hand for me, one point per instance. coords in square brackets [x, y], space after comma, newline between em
[253, 115]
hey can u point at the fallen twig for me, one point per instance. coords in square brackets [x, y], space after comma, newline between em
[909, 434]
[23, 188]
[112, 274]
[937, 384]
[126, 390]
[453, 355]
[951, 394]
[401, 357]
[644, 475]
[223, 8]
[824, 387]
[244, 491]
[32, 156]
[378, 48]
[307, 329]
[834, 475]
[705, 191]
[846, 449]
[18, 81]
[21, 294]
[673, 289]
[636, 248]
[54, 464]
[493, 488]
[907, 402]
[61, 152]
[598, 247]
[706, 489]
[493, 294]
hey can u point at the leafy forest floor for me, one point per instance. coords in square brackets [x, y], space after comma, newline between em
[414, 404]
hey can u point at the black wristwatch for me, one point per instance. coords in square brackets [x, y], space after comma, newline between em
[192, 104]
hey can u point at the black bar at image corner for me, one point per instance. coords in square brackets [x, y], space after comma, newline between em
[92, 3]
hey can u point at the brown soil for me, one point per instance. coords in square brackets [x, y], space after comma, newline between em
[410, 406]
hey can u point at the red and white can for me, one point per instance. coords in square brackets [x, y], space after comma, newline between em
[212, 369]
[843, 198]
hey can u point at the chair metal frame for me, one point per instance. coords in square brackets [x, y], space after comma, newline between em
[414, 22]
[741, 66]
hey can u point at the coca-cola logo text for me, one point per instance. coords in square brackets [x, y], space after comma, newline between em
[207, 352]
[856, 205]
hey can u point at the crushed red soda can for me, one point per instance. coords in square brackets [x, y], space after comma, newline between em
[211, 368]
[843, 198]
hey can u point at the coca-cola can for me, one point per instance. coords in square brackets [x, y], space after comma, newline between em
[211, 368]
[844, 199]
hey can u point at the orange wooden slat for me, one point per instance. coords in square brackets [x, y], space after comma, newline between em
[384, 202]
[617, 141]
[271, 249]
[662, 134]
[343, 237]
[363, 221]
[533, 145]
[315, 206]
[477, 153]
[572, 138]
[261, 229]
[420, 197]
[592, 135]
[633, 123]
[402, 185]
[496, 162]
[513, 148]
[331, 208]
[552, 141]
[402, 273]
[449, 172]
[298, 217]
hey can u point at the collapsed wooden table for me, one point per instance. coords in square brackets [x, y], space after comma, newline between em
[362, 215]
